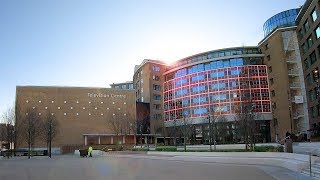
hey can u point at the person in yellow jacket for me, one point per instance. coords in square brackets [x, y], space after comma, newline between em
[90, 151]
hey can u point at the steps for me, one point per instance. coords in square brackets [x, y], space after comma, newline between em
[315, 170]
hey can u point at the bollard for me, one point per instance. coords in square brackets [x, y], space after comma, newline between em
[310, 164]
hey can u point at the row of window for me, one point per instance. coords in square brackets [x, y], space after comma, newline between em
[209, 66]
[215, 54]
[77, 114]
[84, 108]
[124, 86]
[218, 86]
[65, 102]
[203, 110]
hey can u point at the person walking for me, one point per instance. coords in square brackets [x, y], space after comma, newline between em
[90, 151]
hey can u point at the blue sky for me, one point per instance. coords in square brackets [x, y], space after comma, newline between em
[95, 43]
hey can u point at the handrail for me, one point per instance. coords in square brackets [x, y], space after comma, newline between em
[284, 139]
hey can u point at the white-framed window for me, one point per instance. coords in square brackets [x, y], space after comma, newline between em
[71, 107]
[101, 102]
[101, 114]
[108, 108]
[59, 107]
[89, 114]
[119, 109]
[141, 99]
[142, 90]
[27, 114]
[52, 114]
[95, 108]
[46, 107]
[89, 102]
[77, 102]
[52, 102]
[40, 101]
[33, 107]
[27, 101]
[84, 108]
[77, 114]
[65, 102]
[125, 103]
[65, 114]
[112, 102]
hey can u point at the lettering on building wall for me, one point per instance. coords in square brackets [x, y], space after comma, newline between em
[101, 95]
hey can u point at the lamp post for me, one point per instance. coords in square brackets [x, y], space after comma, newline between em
[210, 133]
[141, 134]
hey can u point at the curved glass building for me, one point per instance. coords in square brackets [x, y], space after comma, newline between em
[218, 81]
[282, 19]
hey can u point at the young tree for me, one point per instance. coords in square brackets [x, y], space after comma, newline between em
[50, 130]
[30, 128]
[9, 133]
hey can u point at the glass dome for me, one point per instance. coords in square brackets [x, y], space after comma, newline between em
[283, 19]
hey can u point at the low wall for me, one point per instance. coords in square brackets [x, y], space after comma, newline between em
[292, 161]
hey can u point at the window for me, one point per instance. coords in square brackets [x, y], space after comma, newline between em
[314, 15]
[267, 46]
[273, 93]
[304, 48]
[311, 95]
[65, 102]
[156, 87]
[39, 101]
[124, 86]
[317, 32]
[157, 106]
[309, 41]
[155, 77]
[130, 86]
[306, 26]
[142, 90]
[313, 57]
[271, 81]
[157, 97]
[116, 87]
[155, 68]
[270, 69]
[308, 78]
[157, 116]
[268, 57]
[314, 111]
[306, 64]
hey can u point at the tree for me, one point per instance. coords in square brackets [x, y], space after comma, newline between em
[50, 130]
[30, 128]
[212, 117]
[9, 133]
[245, 122]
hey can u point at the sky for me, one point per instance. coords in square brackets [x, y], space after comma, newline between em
[95, 43]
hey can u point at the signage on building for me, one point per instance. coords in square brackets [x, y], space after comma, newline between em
[298, 99]
[102, 95]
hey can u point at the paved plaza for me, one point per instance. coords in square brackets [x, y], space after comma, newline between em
[133, 167]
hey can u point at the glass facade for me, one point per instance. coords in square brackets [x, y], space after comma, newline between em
[216, 86]
[283, 19]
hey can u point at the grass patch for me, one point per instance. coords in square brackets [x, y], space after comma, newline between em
[167, 149]
[139, 149]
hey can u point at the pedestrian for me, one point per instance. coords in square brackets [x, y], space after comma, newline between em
[90, 151]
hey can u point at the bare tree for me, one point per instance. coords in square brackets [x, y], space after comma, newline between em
[9, 133]
[30, 128]
[50, 130]
[245, 122]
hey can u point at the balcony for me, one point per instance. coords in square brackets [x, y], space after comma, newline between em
[295, 85]
[293, 72]
[292, 60]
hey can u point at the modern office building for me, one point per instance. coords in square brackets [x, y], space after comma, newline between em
[286, 82]
[308, 34]
[85, 115]
[218, 81]
[148, 84]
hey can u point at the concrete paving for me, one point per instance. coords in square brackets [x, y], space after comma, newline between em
[133, 167]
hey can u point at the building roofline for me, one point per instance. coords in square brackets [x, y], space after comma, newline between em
[273, 32]
[303, 10]
[127, 82]
[145, 61]
[222, 49]
[71, 87]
